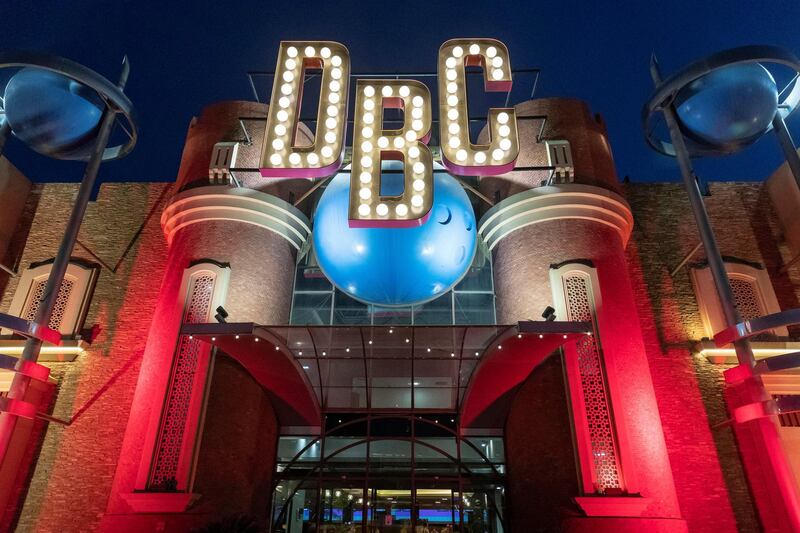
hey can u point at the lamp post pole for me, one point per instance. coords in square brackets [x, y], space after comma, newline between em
[754, 390]
[787, 145]
[20, 383]
[5, 131]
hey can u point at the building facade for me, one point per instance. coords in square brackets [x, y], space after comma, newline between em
[303, 409]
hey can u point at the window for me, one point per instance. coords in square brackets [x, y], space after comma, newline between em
[752, 292]
[203, 289]
[786, 385]
[73, 299]
[317, 302]
[576, 297]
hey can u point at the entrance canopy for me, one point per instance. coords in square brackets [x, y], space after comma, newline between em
[469, 370]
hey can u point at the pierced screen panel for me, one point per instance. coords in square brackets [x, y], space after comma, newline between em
[746, 298]
[59, 309]
[605, 457]
[176, 409]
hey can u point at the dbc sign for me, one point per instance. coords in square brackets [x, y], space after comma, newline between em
[371, 142]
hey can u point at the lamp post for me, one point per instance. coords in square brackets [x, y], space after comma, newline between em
[115, 103]
[682, 147]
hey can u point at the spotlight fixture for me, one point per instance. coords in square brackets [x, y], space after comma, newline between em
[221, 315]
[549, 314]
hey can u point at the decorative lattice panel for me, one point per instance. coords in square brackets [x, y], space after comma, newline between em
[746, 298]
[59, 309]
[176, 409]
[596, 404]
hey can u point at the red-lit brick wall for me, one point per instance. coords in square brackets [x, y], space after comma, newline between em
[237, 451]
[542, 477]
[70, 483]
[712, 488]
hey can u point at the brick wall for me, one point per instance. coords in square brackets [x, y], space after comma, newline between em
[237, 451]
[708, 472]
[70, 482]
[542, 476]
[14, 190]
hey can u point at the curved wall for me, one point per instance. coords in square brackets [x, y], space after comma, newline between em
[559, 233]
[566, 119]
[261, 261]
[220, 122]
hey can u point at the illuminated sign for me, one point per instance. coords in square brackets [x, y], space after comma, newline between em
[459, 155]
[280, 157]
[373, 144]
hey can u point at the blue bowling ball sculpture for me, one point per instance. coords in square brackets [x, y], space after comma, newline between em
[730, 106]
[395, 266]
[51, 113]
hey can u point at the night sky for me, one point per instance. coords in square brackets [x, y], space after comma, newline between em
[189, 54]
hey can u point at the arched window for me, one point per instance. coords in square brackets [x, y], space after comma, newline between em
[203, 289]
[752, 292]
[73, 299]
[576, 298]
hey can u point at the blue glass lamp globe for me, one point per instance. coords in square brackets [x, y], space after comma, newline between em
[395, 266]
[51, 113]
[733, 105]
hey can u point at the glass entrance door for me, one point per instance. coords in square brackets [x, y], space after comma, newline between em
[422, 510]
[390, 511]
[389, 474]
[436, 510]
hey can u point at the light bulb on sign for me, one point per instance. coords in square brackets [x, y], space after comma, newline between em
[368, 208]
[459, 155]
[280, 157]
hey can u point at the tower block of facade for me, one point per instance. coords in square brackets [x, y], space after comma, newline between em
[233, 248]
[559, 240]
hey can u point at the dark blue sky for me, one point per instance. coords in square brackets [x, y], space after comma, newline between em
[188, 54]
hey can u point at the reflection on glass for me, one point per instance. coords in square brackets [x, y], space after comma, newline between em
[389, 455]
[435, 312]
[391, 398]
[474, 308]
[390, 315]
[311, 279]
[477, 278]
[390, 510]
[341, 508]
[482, 510]
[312, 308]
[344, 447]
[289, 447]
[435, 511]
[390, 474]
[294, 507]
[345, 397]
[482, 449]
[347, 310]
[431, 457]
[432, 448]
[317, 302]
[434, 398]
